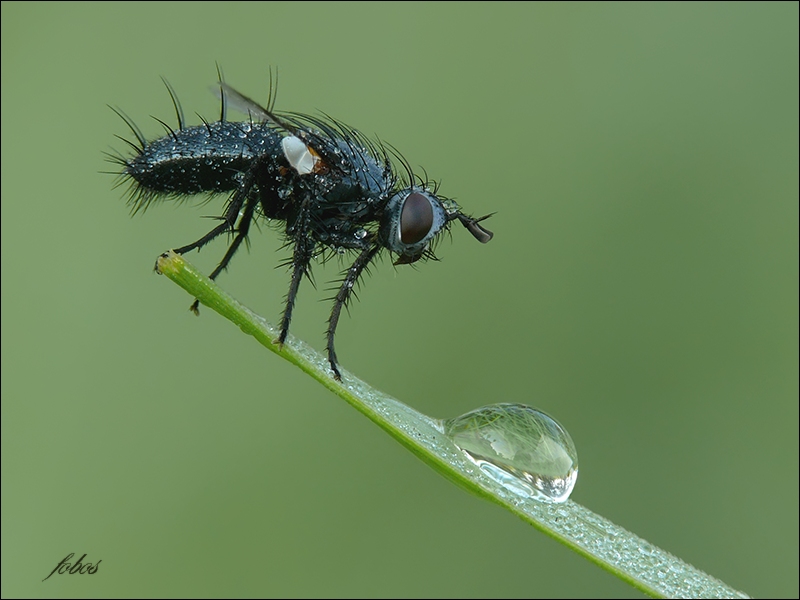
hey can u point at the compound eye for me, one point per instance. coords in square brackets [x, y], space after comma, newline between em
[416, 219]
[411, 219]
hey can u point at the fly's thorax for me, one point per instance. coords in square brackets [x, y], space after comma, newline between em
[345, 179]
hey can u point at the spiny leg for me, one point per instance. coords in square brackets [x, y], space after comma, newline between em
[241, 235]
[228, 221]
[231, 212]
[341, 299]
[240, 196]
[301, 259]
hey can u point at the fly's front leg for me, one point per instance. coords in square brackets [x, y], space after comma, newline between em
[341, 299]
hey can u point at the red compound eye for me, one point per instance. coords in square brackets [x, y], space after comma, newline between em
[416, 219]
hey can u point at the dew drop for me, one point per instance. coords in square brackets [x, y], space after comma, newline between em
[523, 449]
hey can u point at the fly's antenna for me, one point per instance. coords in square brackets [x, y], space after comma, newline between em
[479, 232]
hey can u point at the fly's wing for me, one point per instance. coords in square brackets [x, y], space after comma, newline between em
[250, 107]
[299, 147]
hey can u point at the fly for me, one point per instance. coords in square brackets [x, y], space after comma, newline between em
[333, 188]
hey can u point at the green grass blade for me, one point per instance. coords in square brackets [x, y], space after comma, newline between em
[616, 550]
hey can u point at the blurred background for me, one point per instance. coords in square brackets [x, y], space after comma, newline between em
[641, 287]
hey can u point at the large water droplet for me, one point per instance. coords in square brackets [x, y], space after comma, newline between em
[523, 449]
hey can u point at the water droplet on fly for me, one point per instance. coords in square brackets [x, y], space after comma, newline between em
[523, 449]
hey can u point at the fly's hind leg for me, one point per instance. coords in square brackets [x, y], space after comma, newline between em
[241, 235]
[228, 221]
[242, 197]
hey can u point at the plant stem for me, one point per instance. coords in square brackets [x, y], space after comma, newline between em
[616, 550]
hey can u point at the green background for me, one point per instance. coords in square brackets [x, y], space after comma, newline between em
[641, 287]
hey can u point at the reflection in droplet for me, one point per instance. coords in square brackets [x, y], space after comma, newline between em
[523, 449]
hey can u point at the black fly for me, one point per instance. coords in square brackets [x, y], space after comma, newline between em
[335, 189]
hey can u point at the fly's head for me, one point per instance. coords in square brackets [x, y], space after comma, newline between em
[415, 216]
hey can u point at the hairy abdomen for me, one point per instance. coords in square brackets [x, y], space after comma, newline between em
[205, 158]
